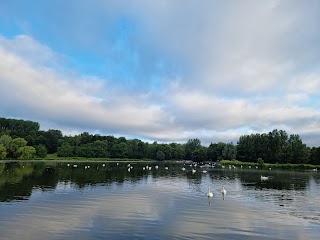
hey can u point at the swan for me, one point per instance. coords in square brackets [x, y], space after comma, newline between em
[263, 178]
[209, 194]
[223, 191]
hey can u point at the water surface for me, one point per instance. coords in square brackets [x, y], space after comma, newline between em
[54, 200]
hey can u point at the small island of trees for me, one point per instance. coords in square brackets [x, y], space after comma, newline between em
[21, 139]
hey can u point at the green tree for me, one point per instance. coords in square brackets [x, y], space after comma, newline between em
[26, 152]
[3, 152]
[100, 149]
[160, 155]
[152, 150]
[299, 152]
[199, 155]
[53, 139]
[15, 144]
[6, 141]
[190, 146]
[119, 150]
[229, 151]
[260, 162]
[65, 150]
[315, 155]
[41, 151]
[178, 152]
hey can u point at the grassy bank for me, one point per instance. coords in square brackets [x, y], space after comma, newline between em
[54, 156]
[285, 166]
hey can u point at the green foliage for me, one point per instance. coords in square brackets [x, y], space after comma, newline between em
[315, 155]
[260, 163]
[15, 145]
[65, 150]
[5, 140]
[273, 147]
[216, 151]
[119, 150]
[229, 151]
[41, 151]
[160, 155]
[199, 155]
[190, 146]
[3, 152]
[26, 152]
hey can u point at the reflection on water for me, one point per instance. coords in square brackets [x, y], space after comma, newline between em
[58, 200]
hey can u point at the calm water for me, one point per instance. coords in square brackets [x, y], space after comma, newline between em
[51, 200]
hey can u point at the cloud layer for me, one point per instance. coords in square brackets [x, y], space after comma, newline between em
[164, 71]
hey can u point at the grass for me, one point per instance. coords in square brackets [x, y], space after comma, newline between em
[55, 157]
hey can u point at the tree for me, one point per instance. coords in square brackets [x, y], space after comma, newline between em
[229, 151]
[53, 136]
[6, 141]
[178, 152]
[160, 155]
[14, 146]
[299, 153]
[190, 146]
[65, 150]
[3, 152]
[41, 151]
[260, 162]
[119, 150]
[152, 150]
[100, 149]
[315, 155]
[26, 152]
[199, 155]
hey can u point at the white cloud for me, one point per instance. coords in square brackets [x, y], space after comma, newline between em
[243, 67]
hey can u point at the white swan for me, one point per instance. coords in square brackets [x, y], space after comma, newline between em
[223, 191]
[209, 194]
[263, 178]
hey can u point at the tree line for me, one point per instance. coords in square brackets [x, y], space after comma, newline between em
[20, 139]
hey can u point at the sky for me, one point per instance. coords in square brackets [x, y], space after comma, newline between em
[163, 70]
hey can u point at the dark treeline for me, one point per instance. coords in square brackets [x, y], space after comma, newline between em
[24, 140]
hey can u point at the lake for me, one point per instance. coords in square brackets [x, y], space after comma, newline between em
[97, 200]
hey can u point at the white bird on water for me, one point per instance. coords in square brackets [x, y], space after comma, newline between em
[209, 194]
[263, 178]
[223, 191]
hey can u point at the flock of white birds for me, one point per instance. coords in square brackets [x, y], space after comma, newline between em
[193, 170]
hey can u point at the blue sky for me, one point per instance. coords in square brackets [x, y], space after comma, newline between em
[161, 70]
